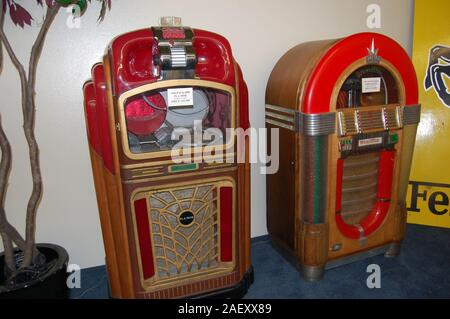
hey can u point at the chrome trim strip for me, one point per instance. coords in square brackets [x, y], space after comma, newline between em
[362, 238]
[341, 126]
[306, 124]
[357, 121]
[280, 109]
[384, 118]
[280, 124]
[411, 114]
[317, 124]
[280, 117]
[399, 116]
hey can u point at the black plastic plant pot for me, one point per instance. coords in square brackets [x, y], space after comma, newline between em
[49, 284]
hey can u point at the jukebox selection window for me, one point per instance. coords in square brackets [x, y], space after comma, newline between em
[368, 86]
[158, 120]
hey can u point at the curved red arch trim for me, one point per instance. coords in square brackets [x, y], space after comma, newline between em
[91, 116]
[345, 52]
[98, 75]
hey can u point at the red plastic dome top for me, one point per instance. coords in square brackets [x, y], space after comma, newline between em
[132, 59]
[90, 107]
[342, 54]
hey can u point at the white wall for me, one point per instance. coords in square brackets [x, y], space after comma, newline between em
[259, 32]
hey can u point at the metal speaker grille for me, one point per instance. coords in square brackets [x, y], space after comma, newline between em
[371, 120]
[184, 249]
[347, 123]
[359, 186]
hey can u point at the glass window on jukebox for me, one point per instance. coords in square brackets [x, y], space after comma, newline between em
[162, 119]
[375, 92]
[368, 86]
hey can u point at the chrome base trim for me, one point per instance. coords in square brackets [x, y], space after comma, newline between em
[312, 273]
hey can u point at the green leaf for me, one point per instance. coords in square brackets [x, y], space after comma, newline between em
[82, 5]
[64, 2]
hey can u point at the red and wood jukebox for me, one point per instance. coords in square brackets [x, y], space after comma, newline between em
[347, 112]
[171, 228]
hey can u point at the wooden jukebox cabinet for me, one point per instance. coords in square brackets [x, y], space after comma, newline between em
[171, 229]
[347, 112]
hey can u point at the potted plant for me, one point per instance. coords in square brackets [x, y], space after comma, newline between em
[28, 269]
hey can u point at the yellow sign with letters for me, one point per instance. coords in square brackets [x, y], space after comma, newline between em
[428, 197]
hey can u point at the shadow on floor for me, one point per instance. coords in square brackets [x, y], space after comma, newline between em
[421, 271]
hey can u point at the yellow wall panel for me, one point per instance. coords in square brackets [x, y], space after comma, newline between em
[429, 189]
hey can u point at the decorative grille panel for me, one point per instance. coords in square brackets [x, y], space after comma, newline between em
[371, 120]
[185, 230]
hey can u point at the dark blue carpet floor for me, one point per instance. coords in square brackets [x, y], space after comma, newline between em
[421, 271]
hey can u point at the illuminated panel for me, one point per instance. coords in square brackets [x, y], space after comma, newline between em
[226, 223]
[145, 244]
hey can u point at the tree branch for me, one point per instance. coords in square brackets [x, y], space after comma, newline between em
[29, 117]
[5, 227]
[5, 163]
[2, 23]
[8, 232]
[5, 169]
[18, 65]
[37, 50]
[9, 253]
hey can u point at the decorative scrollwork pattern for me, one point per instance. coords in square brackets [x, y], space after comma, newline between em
[182, 249]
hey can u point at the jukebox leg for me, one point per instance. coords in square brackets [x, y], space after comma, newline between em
[313, 252]
[393, 250]
[400, 229]
[312, 273]
[312, 244]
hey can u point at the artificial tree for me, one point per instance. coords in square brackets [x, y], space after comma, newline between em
[10, 236]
